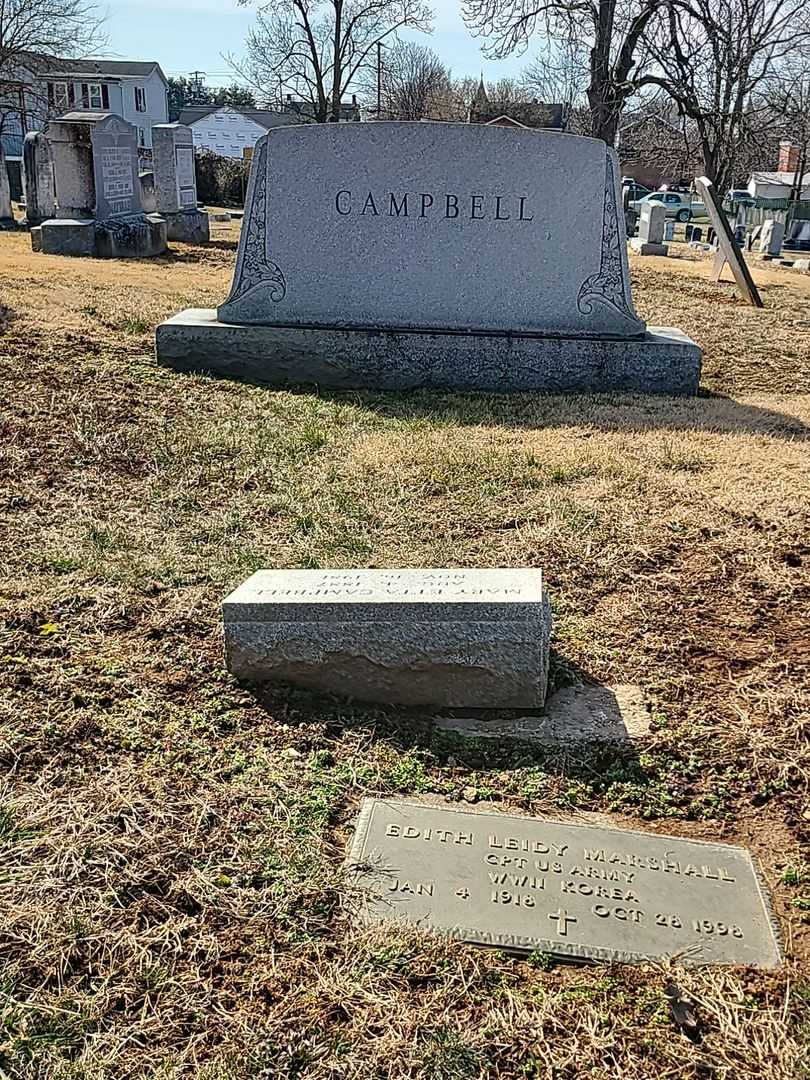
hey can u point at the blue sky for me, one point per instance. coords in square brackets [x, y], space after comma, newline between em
[184, 35]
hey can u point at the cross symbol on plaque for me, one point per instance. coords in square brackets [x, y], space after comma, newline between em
[563, 919]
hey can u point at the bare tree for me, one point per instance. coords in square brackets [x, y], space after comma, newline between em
[316, 49]
[415, 84]
[788, 96]
[46, 28]
[32, 34]
[611, 33]
[713, 58]
[559, 73]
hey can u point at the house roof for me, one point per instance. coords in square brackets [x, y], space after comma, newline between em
[786, 179]
[266, 118]
[105, 69]
[530, 114]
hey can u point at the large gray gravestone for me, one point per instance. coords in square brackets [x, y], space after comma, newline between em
[115, 163]
[176, 183]
[40, 194]
[476, 638]
[575, 891]
[98, 190]
[367, 250]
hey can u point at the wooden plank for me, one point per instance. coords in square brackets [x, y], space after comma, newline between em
[729, 251]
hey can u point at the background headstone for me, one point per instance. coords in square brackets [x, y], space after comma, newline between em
[771, 236]
[7, 220]
[115, 168]
[176, 184]
[72, 155]
[40, 194]
[651, 230]
[729, 250]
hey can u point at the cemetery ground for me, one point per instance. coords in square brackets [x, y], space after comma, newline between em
[171, 842]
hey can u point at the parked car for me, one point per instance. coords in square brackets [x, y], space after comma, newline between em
[738, 197]
[637, 191]
[678, 204]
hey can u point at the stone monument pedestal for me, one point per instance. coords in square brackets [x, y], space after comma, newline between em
[137, 236]
[66, 236]
[663, 360]
[187, 226]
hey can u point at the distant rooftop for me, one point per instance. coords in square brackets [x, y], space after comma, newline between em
[106, 69]
[266, 118]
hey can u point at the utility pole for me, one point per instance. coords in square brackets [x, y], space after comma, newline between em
[197, 77]
[379, 79]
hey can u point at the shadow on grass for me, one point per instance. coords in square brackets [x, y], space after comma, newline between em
[629, 413]
[616, 412]
[580, 733]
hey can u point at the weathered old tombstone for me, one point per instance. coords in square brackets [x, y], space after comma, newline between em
[474, 638]
[798, 236]
[581, 892]
[98, 191]
[40, 197]
[176, 183]
[396, 255]
[651, 230]
[770, 238]
[7, 219]
[729, 250]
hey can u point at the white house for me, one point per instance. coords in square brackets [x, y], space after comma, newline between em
[227, 130]
[39, 88]
[776, 185]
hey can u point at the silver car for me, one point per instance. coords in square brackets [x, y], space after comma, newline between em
[678, 204]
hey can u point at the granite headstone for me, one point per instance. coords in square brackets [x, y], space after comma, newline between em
[576, 891]
[7, 220]
[771, 237]
[476, 638]
[176, 183]
[367, 250]
[651, 230]
[40, 194]
[115, 164]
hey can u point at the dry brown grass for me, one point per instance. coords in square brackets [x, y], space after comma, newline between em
[170, 842]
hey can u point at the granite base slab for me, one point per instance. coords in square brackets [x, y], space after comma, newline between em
[645, 247]
[662, 361]
[187, 226]
[68, 236]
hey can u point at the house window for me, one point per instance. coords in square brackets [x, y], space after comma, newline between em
[141, 137]
[59, 96]
[140, 99]
[95, 96]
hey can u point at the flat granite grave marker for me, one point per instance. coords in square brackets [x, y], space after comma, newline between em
[475, 638]
[580, 892]
[396, 255]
